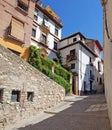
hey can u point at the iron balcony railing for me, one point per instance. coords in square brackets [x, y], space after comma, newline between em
[71, 57]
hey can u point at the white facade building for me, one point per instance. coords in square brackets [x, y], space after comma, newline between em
[98, 64]
[81, 60]
[46, 30]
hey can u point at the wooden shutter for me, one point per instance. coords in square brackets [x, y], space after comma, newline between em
[26, 2]
[17, 29]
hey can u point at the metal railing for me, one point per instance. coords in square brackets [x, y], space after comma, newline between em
[71, 57]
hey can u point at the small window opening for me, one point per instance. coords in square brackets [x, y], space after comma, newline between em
[1, 95]
[15, 96]
[30, 96]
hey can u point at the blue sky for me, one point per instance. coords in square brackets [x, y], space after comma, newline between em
[83, 16]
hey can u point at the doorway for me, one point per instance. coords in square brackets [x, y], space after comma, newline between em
[85, 92]
[91, 89]
[75, 85]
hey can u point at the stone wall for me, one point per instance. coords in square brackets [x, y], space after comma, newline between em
[19, 81]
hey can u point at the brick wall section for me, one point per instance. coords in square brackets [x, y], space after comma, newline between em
[8, 10]
[16, 74]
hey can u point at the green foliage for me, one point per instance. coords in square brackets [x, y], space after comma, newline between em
[60, 75]
[48, 62]
[62, 72]
[60, 81]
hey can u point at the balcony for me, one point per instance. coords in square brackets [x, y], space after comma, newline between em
[23, 5]
[92, 77]
[71, 57]
[44, 43]
[45, 27]
[45, 23]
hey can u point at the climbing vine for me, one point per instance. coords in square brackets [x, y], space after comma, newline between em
[45, 65]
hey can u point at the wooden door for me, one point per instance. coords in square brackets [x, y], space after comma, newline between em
[75, 85]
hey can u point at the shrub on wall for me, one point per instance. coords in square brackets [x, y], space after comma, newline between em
[60, 80]
[47, 62]
[62, 72]
[60, 75]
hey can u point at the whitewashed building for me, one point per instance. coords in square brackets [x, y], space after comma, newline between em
[46, 30]
[81, 60]
[98, 64]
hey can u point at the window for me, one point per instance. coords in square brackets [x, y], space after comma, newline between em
[90, 60]
[73, 66]
[45, 21]
[56, 31]
[72, 52]
[23, 4]
[36, 14]
[44, 40]
[30, 96]
[1, 95]
[97, 79]
[55, 45]
[90, 73]
[75, 39]
[100, 80]
[81, 38]
[17, 29]
[34, 31]
[15, 96]
[99, 66]
[85, 87]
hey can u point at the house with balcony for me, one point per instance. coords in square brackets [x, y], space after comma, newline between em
[79, 58]
[16, 25]
[98, 63]
[46, 30]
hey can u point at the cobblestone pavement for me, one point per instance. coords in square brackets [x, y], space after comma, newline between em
[75, 113]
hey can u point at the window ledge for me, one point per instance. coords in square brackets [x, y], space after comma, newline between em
[14, 38]
[55, 50]
[40, 42]
[43, 44]
[22, 10]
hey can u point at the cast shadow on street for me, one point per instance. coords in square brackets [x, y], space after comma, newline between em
[88, 113]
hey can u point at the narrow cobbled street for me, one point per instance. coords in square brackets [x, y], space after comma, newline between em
[75, 113]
